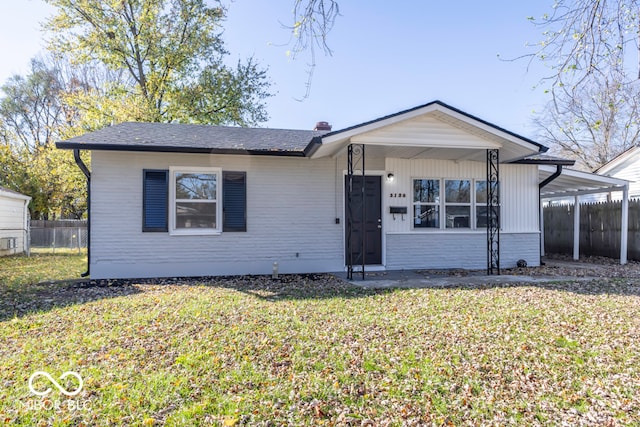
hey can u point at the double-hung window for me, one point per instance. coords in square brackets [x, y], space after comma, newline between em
[195, 206]
[426, 203]
[457, 200]
[481, 203]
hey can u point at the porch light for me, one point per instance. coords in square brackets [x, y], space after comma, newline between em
[390, 177]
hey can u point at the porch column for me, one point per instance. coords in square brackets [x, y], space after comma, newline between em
[355, 160]
[624, 225]
[541, 228]
[493, 212]
[576, 228]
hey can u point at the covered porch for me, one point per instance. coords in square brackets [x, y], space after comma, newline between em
[568, 185]
[419, 155]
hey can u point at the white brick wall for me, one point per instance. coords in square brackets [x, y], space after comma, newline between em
[290, 219]
[466, 250]
[292, 204]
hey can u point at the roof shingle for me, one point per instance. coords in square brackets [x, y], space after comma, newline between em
[172, 137]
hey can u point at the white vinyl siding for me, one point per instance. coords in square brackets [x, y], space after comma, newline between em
[13, 216]
[518, 190]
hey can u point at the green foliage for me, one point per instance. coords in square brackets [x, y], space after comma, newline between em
[50, 176]
[173, 54]
[33, 115]
[116, 61]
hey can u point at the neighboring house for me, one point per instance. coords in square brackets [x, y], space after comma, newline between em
[14, 222]
[625, 166]
[194, 200]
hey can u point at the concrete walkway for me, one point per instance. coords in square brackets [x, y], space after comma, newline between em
[445, 278]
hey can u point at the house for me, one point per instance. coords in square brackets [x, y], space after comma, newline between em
[625, 166]
[14, 222]
[442, 189]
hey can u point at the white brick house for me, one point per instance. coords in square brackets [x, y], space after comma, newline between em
[193, 200]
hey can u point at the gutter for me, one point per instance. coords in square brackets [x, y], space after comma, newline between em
[87, 173]
[550, 178]
[543, 184]
[26, 228]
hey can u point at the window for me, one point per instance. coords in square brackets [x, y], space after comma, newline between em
[426, 203]
[481, 203]
[449, 203]
[195, 201]
[155, 195]
[457, 199]
[195, 204]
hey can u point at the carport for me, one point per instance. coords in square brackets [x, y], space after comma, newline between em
[557, 182]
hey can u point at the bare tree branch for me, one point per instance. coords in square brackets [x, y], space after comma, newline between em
[313, 20]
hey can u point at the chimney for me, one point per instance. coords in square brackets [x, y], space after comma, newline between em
[322, 126]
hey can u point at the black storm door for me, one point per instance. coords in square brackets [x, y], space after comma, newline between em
[371, 222]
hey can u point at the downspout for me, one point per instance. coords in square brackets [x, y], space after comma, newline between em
[550, 178]
[26, 228]
[543, 184]
[85, 171]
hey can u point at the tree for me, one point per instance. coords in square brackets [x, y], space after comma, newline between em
[588, 38]
[168, 48]
[312, 22]
[592, 123]
[591, 47]
[31, 108]
[33, 115]
[49, 176]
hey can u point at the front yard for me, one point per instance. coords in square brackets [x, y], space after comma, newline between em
[316, 351]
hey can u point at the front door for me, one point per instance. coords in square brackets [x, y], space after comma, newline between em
[371, 221]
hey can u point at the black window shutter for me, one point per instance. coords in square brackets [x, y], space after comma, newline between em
[234, 201]
[155, 199]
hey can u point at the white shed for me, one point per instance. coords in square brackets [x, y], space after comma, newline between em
[14, 222]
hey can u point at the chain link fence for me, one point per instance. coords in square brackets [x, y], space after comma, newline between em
[67, 234]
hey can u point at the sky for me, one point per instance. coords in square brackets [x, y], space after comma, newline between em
[387, 57]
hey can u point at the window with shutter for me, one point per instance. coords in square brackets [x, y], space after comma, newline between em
[234, 201]
[155, 193]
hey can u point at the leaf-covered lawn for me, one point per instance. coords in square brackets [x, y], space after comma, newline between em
[23, 279]
[21, 270]
[315, 351]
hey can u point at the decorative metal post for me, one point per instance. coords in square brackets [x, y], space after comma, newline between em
[355, 161]
[493, 212]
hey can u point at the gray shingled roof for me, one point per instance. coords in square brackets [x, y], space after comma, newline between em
[172, 137]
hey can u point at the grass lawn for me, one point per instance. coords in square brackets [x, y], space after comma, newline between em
[315, 351]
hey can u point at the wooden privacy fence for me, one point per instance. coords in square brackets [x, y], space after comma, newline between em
[599, 229]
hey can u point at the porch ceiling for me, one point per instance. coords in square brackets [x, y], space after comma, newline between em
[575, 183]
[439, 153]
